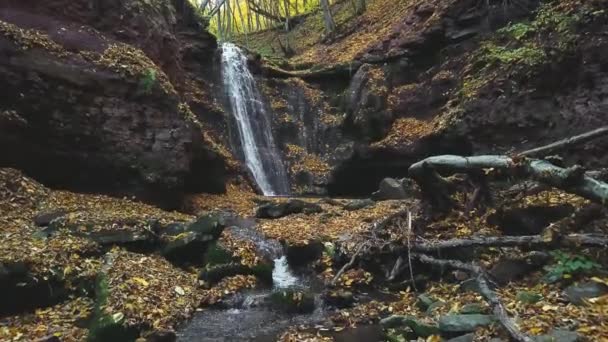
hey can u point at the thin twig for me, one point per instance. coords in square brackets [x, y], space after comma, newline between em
[349, 264]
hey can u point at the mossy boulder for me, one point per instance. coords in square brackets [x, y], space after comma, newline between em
[463, 323]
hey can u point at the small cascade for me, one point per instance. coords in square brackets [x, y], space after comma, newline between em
[282, 277]
[255, 133]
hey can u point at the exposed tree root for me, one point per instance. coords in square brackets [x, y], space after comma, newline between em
[482, 281]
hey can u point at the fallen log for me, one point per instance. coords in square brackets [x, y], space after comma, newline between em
[572, 179]
[346, 71]
[491, 297]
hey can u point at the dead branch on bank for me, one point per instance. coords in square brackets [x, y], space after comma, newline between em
[584, 240]
[491, 297]
[572, 179]
[565, 143]
[428, 172]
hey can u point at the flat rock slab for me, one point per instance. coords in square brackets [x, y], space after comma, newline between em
[464, 323]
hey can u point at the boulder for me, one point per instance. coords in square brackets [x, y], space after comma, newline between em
[577, 293]
[273, 210]
[390, 188]
[463, 323]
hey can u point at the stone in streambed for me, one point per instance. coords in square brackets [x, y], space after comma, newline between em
[292, 301]
[464, 323]
[273, 210]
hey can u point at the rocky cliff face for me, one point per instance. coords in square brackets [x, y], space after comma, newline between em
[95, 96]
[458, 77]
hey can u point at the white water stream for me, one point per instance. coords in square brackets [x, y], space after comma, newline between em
[255, 135]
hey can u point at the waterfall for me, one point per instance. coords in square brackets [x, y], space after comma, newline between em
[254, 130]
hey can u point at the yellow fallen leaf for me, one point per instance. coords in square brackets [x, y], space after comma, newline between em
[179, 290]
[141, 281]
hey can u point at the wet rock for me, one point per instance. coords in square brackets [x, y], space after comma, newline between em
[213, 274]
[359, 204]
[292, 301]
[463, 323]
[420, 328]
[463, 338]
[300, 255]
[530, 220]
[577, 293]
[339, 298]
[187, 241]
[559, 335]
[274, 210]
[390, 188]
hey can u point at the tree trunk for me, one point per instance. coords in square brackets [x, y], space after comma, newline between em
[328, 20]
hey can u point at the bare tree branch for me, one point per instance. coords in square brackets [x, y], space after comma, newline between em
[565, 143]
[586, 240]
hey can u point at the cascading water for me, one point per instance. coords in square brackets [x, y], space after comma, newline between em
[255, 134]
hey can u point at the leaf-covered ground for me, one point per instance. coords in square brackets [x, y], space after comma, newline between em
[146, 291]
